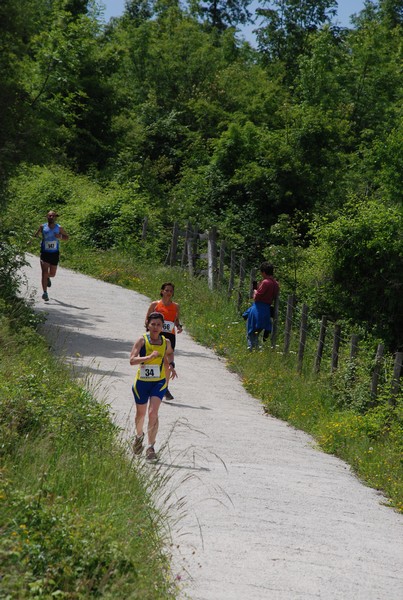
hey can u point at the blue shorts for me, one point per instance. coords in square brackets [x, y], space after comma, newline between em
[144, 390]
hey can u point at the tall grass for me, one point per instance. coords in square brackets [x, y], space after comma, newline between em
[77, 516]
[337, 411]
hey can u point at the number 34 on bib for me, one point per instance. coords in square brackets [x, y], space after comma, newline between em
[150, 372]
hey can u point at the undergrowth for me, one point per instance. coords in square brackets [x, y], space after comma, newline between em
[77, 517]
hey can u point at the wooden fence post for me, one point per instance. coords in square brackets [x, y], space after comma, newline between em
[190, 248]
[274, 330]
[335, 348]
[397, 369]
[241, 282]
[302, 337]
[144, 232]
[288, 323]
[231, 274]
[376, 371]
[221, 266]
[321, 344]
[174, 244]
[212, 257]
[188, 231]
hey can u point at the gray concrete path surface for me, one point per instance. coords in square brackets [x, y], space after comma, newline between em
[258, 513]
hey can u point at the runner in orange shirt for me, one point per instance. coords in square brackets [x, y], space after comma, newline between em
[170, 312]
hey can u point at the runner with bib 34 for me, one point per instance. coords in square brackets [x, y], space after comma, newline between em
[152, 353]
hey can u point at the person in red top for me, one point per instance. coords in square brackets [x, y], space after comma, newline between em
[258, 316]
[170, 311]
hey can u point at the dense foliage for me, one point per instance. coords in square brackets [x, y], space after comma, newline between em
[169, 114]
[293, 150]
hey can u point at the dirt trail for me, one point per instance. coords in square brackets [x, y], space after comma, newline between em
[267, 516]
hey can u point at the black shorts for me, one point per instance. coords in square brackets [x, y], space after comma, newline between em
[52, 258]
[171, 337]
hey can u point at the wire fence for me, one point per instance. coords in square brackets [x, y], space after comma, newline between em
[293, 331]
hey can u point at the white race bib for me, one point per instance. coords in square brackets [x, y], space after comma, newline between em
[168, 326]
[150, 372]
[51, 245]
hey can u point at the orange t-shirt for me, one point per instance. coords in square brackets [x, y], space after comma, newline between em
[170, 314]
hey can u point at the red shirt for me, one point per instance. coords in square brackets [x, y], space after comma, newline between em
[267, 291]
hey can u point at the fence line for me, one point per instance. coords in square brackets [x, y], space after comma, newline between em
[192, 257]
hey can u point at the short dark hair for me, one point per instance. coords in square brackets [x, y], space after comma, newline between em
[154, 315]
[267, 268]
[164, 285]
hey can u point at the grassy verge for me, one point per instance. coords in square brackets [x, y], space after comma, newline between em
[77, 517]
[368, 437]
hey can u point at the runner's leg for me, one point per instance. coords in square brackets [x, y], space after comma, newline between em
[52, 270]
[141, 410]
[153, 408]
[45, 268]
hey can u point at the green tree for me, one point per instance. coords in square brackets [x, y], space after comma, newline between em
[354, 268]
[64, 78]
[20, 20]
[221, 14]
[138, 10]
[167, 84]
[386, 164]
[372, 76]
[285, 29]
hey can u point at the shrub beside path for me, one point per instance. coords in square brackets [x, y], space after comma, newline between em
[257, 512]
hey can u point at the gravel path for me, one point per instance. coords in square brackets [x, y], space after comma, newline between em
[258, 513]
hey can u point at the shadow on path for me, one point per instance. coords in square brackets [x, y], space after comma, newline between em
[184, 467]
[181, 405]
[70, 305]
[203, 355]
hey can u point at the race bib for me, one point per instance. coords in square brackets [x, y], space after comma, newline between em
[150, 372]
[51, 245]
[168, 326]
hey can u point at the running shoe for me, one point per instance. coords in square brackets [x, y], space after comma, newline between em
[49, 282]
[138, 444]
[168, 395]
[150, 453]
[45, 296]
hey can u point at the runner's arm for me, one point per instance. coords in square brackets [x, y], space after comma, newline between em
[178, 323]
[38, 231]
[135, 358]
[169, 362]
[36, 234]
[63, 235]
[169, 352]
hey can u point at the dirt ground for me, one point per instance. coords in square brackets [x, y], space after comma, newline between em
[256, 511]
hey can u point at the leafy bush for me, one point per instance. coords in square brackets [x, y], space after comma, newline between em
[33, 402]
[354, 268]
[94, 216]
[11, 260]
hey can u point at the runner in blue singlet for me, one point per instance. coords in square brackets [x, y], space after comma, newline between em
[51, 232]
